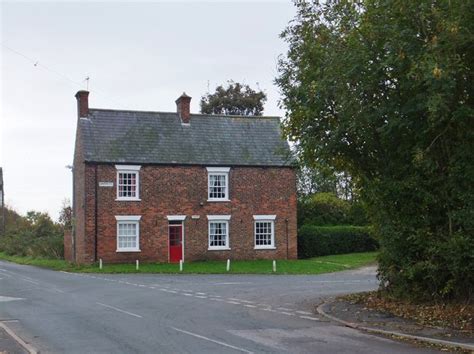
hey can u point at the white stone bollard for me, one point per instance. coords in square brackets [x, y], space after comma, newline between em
[228, 265]
[274, 266]
[180, 265]
[100, 263]
[137, 267]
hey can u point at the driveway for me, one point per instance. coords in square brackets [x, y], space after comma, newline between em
[62, 312]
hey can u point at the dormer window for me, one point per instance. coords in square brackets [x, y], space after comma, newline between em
[128, 182]
[218, 184]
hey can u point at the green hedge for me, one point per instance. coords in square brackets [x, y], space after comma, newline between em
[325, 240]
[328, 209]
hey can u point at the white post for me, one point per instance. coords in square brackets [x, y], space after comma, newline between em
[180, 265]
[100, 263]
[137, 265]
[274, 266]
[228, 265]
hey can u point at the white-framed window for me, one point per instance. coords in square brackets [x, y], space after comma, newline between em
[218, 232]
[128, 182]
[218, 184]
[264, 231]
[128, 233]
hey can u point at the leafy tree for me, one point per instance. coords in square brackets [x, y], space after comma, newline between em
[383, 90]
[235, 99]
[35, 235]
[65, 215]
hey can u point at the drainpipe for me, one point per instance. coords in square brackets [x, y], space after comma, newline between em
[73, 216]
[287, 245]
[95, 213]
[73, 219]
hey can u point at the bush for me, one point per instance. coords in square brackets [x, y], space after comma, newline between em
[325, 240]
[35, 236]
[328, 209]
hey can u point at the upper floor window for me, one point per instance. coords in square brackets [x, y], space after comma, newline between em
[218, 183]
[128, 182]
[264, 231]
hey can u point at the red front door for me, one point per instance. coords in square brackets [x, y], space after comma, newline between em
[175, 242]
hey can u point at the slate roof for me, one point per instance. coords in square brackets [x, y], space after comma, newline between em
[115, 136]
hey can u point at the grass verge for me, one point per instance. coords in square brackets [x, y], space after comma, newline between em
[315, 265]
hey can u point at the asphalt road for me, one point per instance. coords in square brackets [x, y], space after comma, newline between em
[60, 312]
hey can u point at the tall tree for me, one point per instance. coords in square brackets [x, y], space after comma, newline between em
[383, 89]
[234, 99]
[65, 215]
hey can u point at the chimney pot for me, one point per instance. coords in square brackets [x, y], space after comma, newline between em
[183, 107]
[82, 103]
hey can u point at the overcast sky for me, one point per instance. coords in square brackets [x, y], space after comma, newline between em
[138, 56]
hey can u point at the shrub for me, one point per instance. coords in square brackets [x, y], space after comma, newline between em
[325, 240]
[35, 236]
[328, 209]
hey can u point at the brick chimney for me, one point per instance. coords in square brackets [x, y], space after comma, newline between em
[183, 107]
[82, 103]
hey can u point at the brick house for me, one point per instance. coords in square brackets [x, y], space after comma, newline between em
[166, 186]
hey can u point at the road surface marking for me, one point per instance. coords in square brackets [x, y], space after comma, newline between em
[119, 310]
[251, 306]
[201, 297]
[212, 340]
[233, 283]
[8, 298]
[201, 293]
[268, 309]
[29, 281]
[284, 309]
[310, 318]
[285, 313]
[304, 312]
[248, 302]
[233, 302]
[186, 294]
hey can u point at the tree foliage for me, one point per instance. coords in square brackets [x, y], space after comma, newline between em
[383, 89]
[35, 235]
[234, 99]
[65, 215]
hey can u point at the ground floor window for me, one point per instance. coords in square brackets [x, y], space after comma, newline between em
[128, 233]
[264, 231]
[218, 232]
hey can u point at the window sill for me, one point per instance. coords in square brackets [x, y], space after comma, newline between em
[218, 200]
[127, 251]
[218, 249]
[128, 200]
[265, 248]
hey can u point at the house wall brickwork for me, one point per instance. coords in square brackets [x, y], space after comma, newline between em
[182, 190]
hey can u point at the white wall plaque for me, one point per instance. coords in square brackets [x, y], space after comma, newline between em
[106, 184]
